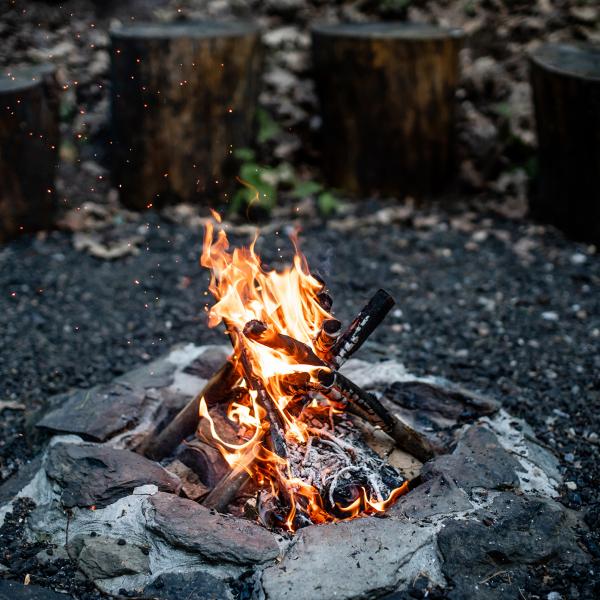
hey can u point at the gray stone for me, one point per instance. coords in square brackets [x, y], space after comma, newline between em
[96, 414]
[12, 486]
[189, 525]
[479, 461]
[435, 408]
[363, 558]
[104, 557]
[189, 586]
[487, 557]
[12, 590]
[91, 475]
[437, 496]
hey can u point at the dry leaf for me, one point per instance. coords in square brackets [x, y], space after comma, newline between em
[11, 405]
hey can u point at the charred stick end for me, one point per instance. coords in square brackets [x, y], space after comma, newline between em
[362, 327]
[327, 336]
[326, 378]
[325, 300]
[254, 329]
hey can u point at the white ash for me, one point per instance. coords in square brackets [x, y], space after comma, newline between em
[330, 460]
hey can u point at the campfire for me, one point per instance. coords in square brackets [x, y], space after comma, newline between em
[280, 410]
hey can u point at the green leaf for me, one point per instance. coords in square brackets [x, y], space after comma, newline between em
[302, 189]
[327, 204]
[244, 154]
[267, 127]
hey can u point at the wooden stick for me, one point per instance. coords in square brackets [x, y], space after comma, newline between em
[257, 331]
[361, 328]
[186, 421]
[276, 428]
[228, 488]
[366, 406]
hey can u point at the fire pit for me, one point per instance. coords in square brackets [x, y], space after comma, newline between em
[285, 467]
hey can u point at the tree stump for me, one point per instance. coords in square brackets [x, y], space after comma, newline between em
[29, 134]
[184, 98]
[387, 100]
[566, 91]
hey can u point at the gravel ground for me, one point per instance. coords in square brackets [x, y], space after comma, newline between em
[502, 306]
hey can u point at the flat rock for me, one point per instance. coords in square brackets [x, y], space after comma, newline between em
[189, 525]
[189, 586]
[363, 558]
[440, 403]
[12, 486]
[98, 413]
[104, 557]
[437, 496]
[91, 475]
[479, 461]
[12, 590]
[487, 557]
[436, 408]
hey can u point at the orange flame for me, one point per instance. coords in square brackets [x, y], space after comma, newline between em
[286, 302]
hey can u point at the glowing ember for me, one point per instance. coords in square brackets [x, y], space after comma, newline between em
[274, 320]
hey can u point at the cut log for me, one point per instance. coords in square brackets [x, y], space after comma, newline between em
[186, 421]
[566, 91]
[28, 149]
[183, 98]
[204, 460]
[387, 101]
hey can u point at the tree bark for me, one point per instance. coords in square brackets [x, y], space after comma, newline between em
[387, 102]
[184, 98]
[566, 91]
[29, 137]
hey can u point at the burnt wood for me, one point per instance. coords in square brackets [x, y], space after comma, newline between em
[183, 95]
[257, 331]
[387, 100]
[327, 336]
[29, 137]
[566, 90]
[276, 427]
[205, 460]
[185, 422]
[361, 328]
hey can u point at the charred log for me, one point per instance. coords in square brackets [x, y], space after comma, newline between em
[257, 331]
[361, 328]
[186, 421]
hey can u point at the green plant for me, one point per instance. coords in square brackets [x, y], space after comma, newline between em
[259, 184]
[267, 127]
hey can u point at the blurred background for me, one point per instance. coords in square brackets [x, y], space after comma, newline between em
[496, 140]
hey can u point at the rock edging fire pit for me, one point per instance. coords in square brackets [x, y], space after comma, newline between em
[482, 513]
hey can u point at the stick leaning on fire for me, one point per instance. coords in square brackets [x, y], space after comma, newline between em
[333, 348]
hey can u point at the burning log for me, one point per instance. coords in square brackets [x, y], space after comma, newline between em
[257, 331]
[186, 421]
[229, 487]
[402, 80]
[327, 336]
[203, 459]
[29, 137]
[361, 328]
[183, 95]
[276, 428]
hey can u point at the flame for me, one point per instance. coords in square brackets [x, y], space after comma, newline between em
[287, 303]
